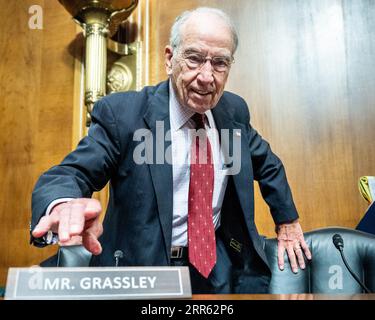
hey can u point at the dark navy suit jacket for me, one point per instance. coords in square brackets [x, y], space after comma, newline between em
[138, 220]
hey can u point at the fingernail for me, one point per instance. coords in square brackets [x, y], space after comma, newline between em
[282, 268]
[96, 251]
[74, 228]
[64, 236]
[303, 266]
[295, 270]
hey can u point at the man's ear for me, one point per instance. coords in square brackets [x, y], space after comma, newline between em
[168, 54]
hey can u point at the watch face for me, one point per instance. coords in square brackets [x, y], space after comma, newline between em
[47, 239]
[38, 242]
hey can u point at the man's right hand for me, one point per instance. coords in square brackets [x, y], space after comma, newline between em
[78, 217]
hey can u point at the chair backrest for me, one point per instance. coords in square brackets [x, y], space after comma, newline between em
[326, 272]
[73, 256]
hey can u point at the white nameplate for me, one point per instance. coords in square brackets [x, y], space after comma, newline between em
[37, 283]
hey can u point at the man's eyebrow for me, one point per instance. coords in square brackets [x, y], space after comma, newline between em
[192, 50]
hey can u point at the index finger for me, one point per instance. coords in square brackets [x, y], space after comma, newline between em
[64, 224]
[77, 218]
[280, 256]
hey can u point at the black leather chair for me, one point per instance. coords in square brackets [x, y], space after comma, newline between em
[69, 256]
[326, 272]
[73, 256]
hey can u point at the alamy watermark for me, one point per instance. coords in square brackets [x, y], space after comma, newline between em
[226, 146]
[36, 17]
[335, 281]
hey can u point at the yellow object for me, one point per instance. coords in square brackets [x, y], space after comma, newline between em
[366, 186]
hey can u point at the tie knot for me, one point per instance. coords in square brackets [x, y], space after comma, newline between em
[199, 120]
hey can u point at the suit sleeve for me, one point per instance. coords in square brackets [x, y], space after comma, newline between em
[270, 174]
[85, 170]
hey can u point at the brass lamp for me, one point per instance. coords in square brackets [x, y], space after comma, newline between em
[100, 20]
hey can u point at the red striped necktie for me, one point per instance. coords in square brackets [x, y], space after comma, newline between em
[201, 232]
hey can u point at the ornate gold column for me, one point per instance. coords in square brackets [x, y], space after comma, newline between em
[96, 58]
[100, 19]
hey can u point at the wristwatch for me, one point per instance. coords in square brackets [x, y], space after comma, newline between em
[49, 238]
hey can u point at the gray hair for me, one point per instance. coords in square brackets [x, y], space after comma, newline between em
[175, 36]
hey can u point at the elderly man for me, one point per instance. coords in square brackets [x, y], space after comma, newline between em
[193, 210]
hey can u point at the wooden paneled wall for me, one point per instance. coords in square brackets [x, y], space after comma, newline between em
[36, 95]
[306, 68]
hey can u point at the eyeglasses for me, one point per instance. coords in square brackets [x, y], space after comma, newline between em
[195, 60]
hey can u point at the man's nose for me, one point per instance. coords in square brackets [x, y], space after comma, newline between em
[205, 74]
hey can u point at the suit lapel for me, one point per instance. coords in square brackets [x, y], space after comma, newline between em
[223, 115]
[157, 119]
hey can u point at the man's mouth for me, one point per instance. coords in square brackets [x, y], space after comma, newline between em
[201, 92]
